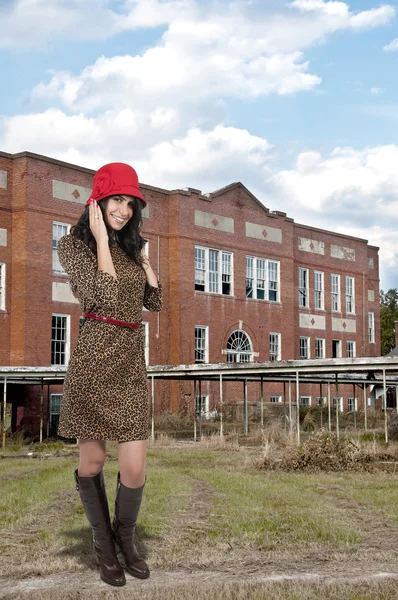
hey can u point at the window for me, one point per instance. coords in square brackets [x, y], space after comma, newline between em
[55, 409]
[274, 346]
[275, 398]
[60, 339]
[319, 288]
[350, 295]
[239, 348]
[303, 288]
[319, 348]
[2, 286]
[145, 325]
[202, 406]
[59, 230]
[262, 279]
[213, 271]
[352, 403]
[370, 262]
[201, 344]
[351, 349]
[336, 348]
[336, 293]
[371, 326]
[304, 348]
[305, 400]
[338, 401]
[321, 400]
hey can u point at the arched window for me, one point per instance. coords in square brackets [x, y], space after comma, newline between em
[239, 347]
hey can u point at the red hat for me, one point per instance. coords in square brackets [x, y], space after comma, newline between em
[113, 180]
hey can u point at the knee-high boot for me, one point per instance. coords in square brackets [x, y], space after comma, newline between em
[93, 496]
[127, 507]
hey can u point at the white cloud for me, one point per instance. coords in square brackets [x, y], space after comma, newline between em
[351, 191]
[376, 91]
[341, 12]
[392, 46]
[197, 157]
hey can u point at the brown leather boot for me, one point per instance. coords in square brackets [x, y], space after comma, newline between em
[127, 507]
[95, 503]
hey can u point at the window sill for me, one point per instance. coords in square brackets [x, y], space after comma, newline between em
[213, 294]
[265, 301]
[59, 274]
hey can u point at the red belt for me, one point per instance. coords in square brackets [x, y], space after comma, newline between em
[113, 321]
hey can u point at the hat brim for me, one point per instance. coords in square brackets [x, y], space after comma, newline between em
[126, 190]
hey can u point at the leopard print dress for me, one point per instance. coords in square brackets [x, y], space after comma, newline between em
[105, 393]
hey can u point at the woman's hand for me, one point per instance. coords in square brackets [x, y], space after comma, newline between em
[97, 225]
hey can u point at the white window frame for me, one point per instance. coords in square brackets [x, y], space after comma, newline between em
[275, 398]
[145, 325]
[56, 265]
[351, 349]
[2, 286]
[67, 341]
[339, 347]
[319, 290]
[371, 328]
[340, 402]
[214, 278]
[304, 298]
[350, 295]
[320, 343]
[302, 403]
[321, 400]
[355, 408]
[256, 266]
[275, 340]
[305, 344]
[239, 355]
[55, 411]
[205, 345]
[202, 411]
[335, 293]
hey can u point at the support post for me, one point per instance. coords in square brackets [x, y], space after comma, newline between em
[262, 402]
[337, 407]
[284, 405]
[298, 407]
[245, 409]
[48, 410]
[329, 410]
[221, 408]
[396, 398]
[385, 406]
[41, 409]
[194, 410]
[290, 406]
[200, 409]
[320, 391]
[3, 443]
[355, 406]
[365, 407]
[153, 407]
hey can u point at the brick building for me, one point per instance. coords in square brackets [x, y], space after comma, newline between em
[241, 283]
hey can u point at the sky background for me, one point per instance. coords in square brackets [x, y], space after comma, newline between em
[298, 100]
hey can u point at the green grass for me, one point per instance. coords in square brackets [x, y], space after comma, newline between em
[209, 510]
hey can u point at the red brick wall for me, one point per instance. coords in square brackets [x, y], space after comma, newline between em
[27, 210]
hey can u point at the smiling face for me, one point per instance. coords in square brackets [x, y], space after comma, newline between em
[119, 211]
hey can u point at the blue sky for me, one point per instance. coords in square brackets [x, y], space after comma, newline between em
[296, 99]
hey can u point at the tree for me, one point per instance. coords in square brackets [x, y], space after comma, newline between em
[388, 316]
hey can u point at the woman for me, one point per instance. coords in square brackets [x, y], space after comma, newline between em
[105, 390]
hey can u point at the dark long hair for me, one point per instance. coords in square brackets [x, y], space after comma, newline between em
[128, 238]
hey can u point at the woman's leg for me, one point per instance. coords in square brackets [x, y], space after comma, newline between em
[92, 457]
[132, 462]
[91, 486]
[130, 487]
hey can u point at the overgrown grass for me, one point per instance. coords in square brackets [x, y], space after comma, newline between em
[207, 511]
